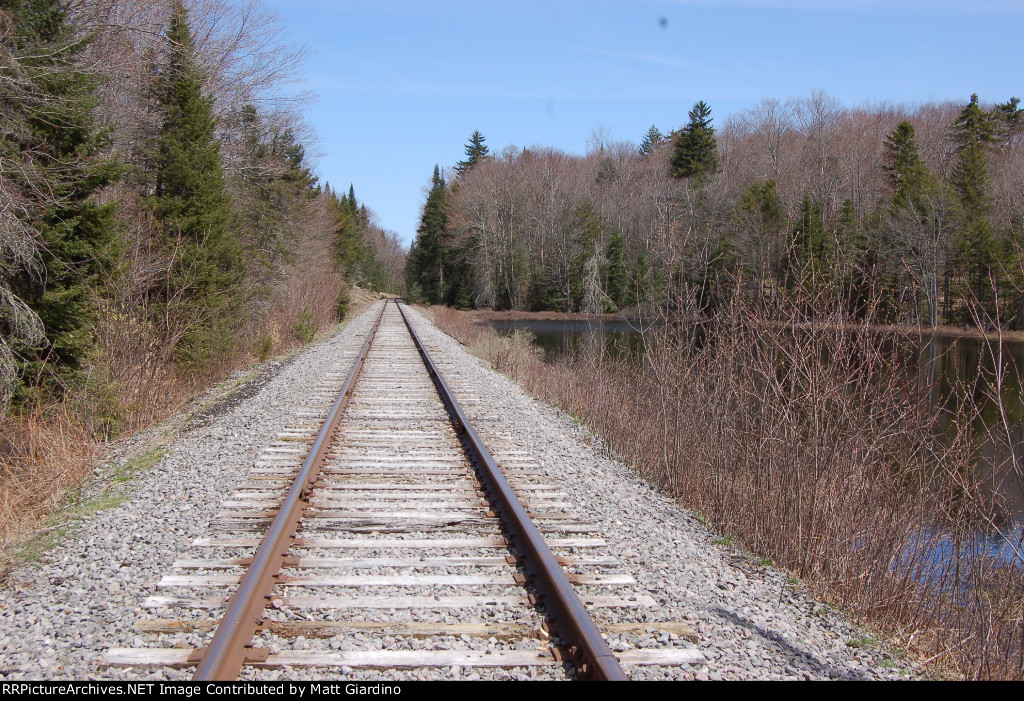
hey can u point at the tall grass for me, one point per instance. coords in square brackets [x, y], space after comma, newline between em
[43, 454]
[815, 444]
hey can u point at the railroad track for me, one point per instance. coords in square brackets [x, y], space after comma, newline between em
[379, 532]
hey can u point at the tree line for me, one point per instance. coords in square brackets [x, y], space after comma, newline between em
[904, 214]
[159, 217]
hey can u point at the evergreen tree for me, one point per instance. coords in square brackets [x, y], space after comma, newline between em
[921, 214]
[546, 292]
[695, 150]
[976, 249]
[651, 141]
[854, 288]
[807, 245]
[354, 243]
[476, 151]
[50, 165]
[694, 157]
[349, 235]
[586, 226]
[903, 164]
[975, 132]
[617, 285]
[429, 257]
[639, 292]
[259, 216]
[192, 204]
[458, 293]
[287, 147]
[273, 187]
[1009, 121]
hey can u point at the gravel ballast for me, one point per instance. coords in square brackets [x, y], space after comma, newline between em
[63, 612]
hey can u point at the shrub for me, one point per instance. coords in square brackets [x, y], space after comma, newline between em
[305, 327]
[343, 303]
[262, 345]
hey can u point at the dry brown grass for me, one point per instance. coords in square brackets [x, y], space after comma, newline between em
[458, 325]
[816, 447]
[42, 456]
[312, 289]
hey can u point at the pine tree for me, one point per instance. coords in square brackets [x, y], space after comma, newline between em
[476, 151]
[429, 258]
[695, 150]
[976, 249]
[651, 141]
[975, 132]
[349, 236]
[272, 189]
[1009, 118]
[903, 164]
[807, 247]
[617, 275]
[586, 226]
[355, 243]
[919, 218]
[854, 286]
[51, 147]
[192, 204]
[640, 291]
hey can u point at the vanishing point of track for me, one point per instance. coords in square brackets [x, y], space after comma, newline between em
[398, 483]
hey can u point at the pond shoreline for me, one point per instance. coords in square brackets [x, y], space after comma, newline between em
[479, 315]
[487, 316]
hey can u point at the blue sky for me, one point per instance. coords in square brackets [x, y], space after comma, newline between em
[403, 83]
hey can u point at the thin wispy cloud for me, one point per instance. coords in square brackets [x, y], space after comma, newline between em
[885, 7]
[496, 92]
[642, 58]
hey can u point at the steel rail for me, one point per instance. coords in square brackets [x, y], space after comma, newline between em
[576, 629]
[232, 643]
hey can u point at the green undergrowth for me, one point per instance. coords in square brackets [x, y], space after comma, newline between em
[863, 641]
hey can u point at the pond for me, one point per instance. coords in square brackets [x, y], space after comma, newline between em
[945, 361]
[560, 337]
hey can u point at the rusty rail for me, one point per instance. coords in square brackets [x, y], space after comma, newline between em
[576, 630]
[232, 643]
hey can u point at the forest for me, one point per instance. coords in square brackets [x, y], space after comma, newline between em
[160, 222]
[907, 213]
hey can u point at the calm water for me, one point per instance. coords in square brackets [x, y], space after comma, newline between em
[970, 363]
[945, 362]
[559, 338]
